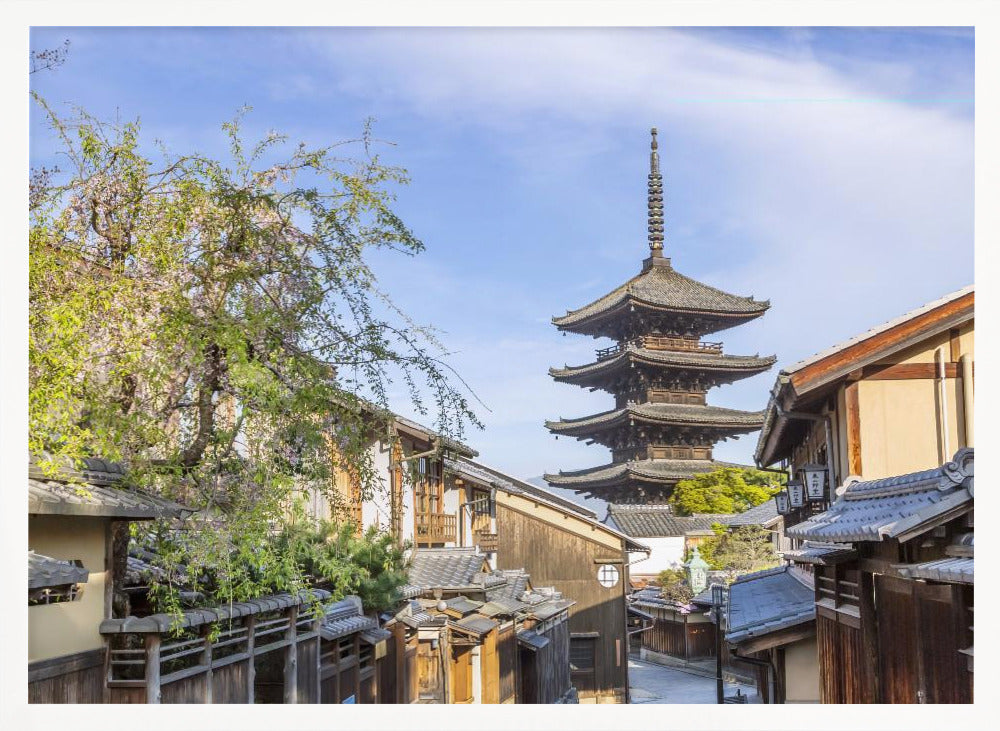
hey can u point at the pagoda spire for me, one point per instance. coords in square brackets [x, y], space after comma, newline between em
[655, 216]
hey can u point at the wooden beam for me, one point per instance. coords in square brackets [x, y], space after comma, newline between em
[907, 371]
[854, 466]
[924, 324]
[152, 668]
[291, 658]
[956, 343]
[776, 639]
[250, 623]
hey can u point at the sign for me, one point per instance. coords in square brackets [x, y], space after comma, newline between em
[796, 494]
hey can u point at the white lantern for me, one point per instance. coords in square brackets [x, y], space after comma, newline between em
[815, 479]
[781, 500]
[796, 494]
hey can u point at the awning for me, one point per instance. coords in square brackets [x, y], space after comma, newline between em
[532, 640]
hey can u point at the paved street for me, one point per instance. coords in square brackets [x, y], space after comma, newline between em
[651, 683]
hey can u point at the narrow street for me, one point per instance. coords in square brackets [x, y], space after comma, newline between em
[652, 683]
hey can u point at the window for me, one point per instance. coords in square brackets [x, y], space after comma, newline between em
[607, 575]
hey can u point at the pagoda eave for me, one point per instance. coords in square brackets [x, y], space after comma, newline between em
[662, 473]
[669, 415]
[716, 368]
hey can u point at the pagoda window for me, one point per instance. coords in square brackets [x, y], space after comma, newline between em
[675, 396]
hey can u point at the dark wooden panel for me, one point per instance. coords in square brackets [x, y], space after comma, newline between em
[562, 559]
[77, 678]
[229, 683]
[898, 640]
[943, 634]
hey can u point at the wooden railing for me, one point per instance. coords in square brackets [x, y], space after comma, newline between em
[486, 541]
[436, 528]
[661, 342]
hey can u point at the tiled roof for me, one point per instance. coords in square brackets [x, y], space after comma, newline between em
[956, 570]
[663, 287]
[162, 623]
[345, 618]
[893, 507]
[532, 640]
[516, 584]
[822, 554]
[462, 605]
[767, 601]
[669, 414]
[44, 571]
[476, 623]
[656, 521]
[451, 568]
[706, 361]
[375, 635]
[764, 514]
[653, 470]
[92, 490]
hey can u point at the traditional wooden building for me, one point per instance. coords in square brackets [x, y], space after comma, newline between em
[485, 636]
[671, 537]
[679, 631]
[770, 623]
[894, 570]
[659, 370]
[563, 545]
[895, 399]
[73, 517]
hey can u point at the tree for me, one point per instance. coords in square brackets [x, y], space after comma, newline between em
[728, 490]
[738, 551]
[674, 586]
[217, 325]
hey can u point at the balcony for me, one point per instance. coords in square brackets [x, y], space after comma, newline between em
[436, 528]
[661, 342]
[486, 541]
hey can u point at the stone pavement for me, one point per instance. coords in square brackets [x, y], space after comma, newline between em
[652, 683]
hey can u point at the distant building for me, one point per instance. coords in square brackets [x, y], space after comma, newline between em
[661, 428]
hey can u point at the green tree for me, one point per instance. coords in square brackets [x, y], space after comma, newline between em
[738, 551]
[217, 325]
[674, 586]
[728, 490]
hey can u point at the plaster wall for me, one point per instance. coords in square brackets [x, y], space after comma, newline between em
[802, 672]
[69, 627]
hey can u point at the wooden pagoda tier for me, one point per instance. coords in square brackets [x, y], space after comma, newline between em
[648, 365]
[661, 301]
[637, 481]
[661, 430]
[660, 424]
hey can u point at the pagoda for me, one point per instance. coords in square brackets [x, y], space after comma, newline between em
[661, 429]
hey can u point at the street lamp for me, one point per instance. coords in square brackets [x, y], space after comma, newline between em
[796, 494]
[815, 479]
[781, 500]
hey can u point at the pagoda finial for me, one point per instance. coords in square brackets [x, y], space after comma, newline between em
[655, 216]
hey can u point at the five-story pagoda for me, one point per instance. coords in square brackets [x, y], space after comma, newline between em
[661, 430]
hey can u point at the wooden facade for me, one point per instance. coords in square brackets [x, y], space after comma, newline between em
[894, 598]
[570, 562]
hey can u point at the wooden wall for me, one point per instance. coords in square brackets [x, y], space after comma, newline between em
[77, 678]
[567, 561]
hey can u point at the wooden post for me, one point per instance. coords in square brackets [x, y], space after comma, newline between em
[318, 690]
[869, 637]
[152, 668]
[854, 466]
[206, 660]
[357, 668]
[250, 623]
[291, 658]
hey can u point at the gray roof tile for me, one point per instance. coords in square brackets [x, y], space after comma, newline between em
[645, 469]
[44, 572]
[53, 497]
[893, 506]
[704, 361]
[475, 623]
[665, 288]
[451, 568]
[673, 414]
[767, 601]
[656, 521]
[958, 570]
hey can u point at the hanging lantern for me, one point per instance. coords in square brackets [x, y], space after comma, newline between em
[796, 494]
[781, 500]
[815, 479]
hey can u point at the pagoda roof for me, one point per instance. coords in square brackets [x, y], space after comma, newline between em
[660, 287]
[642, 470]
[670, 414]
[691, 360]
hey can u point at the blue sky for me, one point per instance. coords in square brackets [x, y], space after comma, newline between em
[828, 170]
